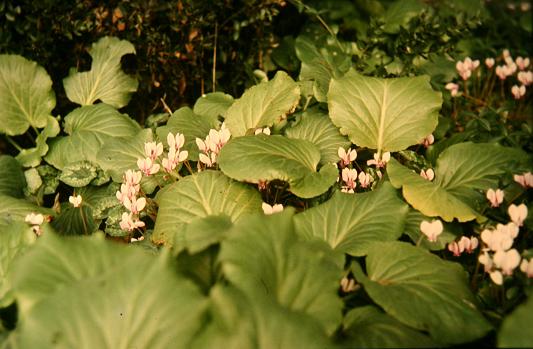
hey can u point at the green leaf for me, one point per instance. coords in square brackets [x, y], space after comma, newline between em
[265, 158]
[26, 95]
[189, 124]
[515, 330]
[320, 64]
[204, 194]
[369, 327]
[263, 257]
[202, 232]
[100, 199]
[464, 172]
[88, 128]
[105, 81]
[213, 105]
[399, 13]
[90, 293]
[422, 291]
[317, 128]
[32, 157]
[78, 174]
[263, 105]
[383, 114]
[351, 223]
[13, 209]
[75, 220]
[12, 181]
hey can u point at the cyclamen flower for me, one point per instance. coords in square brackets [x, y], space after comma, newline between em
[525, 78]
[468, 244]
[75, 200]
[430, 139]
[153, 149]
[210, 160]
[507, 261]
[486, 261]
[365, 179]
[489, 62]
[268, 210]
[127, 191]
[174, 157]
[517, 213]
[527, 267]
[175, 142]
[385, 157]
[130, 224]
[210, 147]
[495, 197]
[522, 63]
[265, 131]
[518, 92]
[504, 71]
[346, 156]
[431, 230]
[348, 285]
[132, 177]
[428, 174]
[453, 88]
[34, 218]
[147, 166]
[349, 176]
[466, 67]
[500, 238]
[454, 248]
[525, 180]
[135, 205]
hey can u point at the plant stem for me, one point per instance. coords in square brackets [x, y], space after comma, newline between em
[215, 58]
[13, 143]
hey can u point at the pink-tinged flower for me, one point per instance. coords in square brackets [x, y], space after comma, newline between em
[496, 277]
[431, 230]
[507, 261]
[349, 176]
[527, 267]
[503, 71]
[346, 156]
[135, 205]
[348, 285]
[210, 160]
[175, 142]
[468, 245]
[518, 92]
[428, 174]
[141, 238]
[268, 210]
[510, 229]
[147, 166]
[496, 240]
[75, 200]
[495, 197]
[379, 163]
[153, 149]
[522, 63]
[34, 218]
[455, 248]
[453, 88]
[428, 140]
[127, 191]
[486, 261]
[365, 179]
[489, 62]
[517, 213]
[201, 145]
[265, 131]
[525, 180]
[526, 78]
[464, 68]
[129, 223]
[132, 177]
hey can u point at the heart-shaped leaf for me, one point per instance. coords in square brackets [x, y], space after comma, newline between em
[203, 194]
[26, 95]
[422, 291]
[350, 223]
[265, 158]
[88, 128]
[105, 81]
[263, 105]
[383, 114]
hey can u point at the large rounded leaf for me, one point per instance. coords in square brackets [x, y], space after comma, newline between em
[213, 105]
[12, 181]
[422, 291]
[88, 128]
[350, 223]
[383, 114]
[89, 293]
[263, 257]
[317, 128]
[516, 327]
[263, 105]
[17, 209]
[200, 195]
[369, 327]
[32, 157]
[26, 95]
[105, 81]
[265, 158]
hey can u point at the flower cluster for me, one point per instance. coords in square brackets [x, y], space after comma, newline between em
[466, 67]
[379, 162]
[175, 155]
[127, 195]
[464, 244]
[210, 147]
[499, 258]
[525, 180]
[35, 220]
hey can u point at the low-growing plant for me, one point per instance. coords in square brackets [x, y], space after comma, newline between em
[339, 209]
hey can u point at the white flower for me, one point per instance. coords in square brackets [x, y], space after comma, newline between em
[506, 53]
[526, 78]
[34, 218]
[527, 267]
[517, 213]
[510, 229]
[507, 261]
[468, 245]
[75, 200]
[175, 142]
[455, 248]
[135, 205]
[428, 174]
[496, 277]
[348, 285]
[349, 176]
[147, 166]
[453, 88]
[495, 197]
[486, 261]
[525, 180]
[522, 63]
[132, 177]
[153, 149]
[431, 230]
[489, 62]
[464, 68]
[496, 240]
[365, 179]
[141, 238]
[346, 156]
[265, 131]
[518, 92]
[428, 140]
[128, 223]
[385, 157]
[268, 210]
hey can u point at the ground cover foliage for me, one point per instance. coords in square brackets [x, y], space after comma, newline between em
[371, 189]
